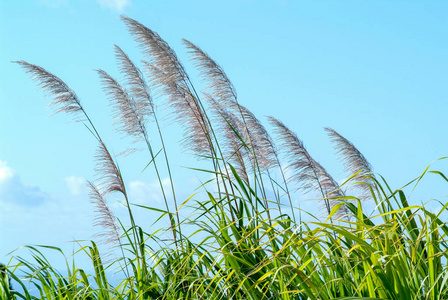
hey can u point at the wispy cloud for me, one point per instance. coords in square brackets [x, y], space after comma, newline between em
[117, 5]
[29, 215]
[5, 171]
[14, 191]
[142, 192]
[75, 184]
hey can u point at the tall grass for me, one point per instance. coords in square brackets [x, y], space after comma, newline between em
[244, 240]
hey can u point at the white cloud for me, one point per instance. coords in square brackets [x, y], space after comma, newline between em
[14, 191]
[145, 193]
[142, 192]
[117, 5]
[29, 216]
[5, 171]
[75, 184]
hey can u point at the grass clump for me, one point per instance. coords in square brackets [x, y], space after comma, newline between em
[244, 239]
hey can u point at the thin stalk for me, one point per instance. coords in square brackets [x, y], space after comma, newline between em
[161, 186]
[169, 174]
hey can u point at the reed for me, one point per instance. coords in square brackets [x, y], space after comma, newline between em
[244, 240]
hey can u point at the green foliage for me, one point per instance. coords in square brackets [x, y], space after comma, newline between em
[242, 242]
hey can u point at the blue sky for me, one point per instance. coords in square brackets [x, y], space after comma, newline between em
[375, 71]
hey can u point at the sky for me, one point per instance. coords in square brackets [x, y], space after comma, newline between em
[375, 71]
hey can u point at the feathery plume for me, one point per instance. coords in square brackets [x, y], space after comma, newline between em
[168, 77]
[109, 175]
[135, 80]
[129, 114]
[186, 111]
[263, 151]
[65, 99]
[157, 51]
[308, 173]
[234, 140]
[110, 180]
[219, 85]
[305, 168]
[221, 89]
[354, 162]
[104, 217]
